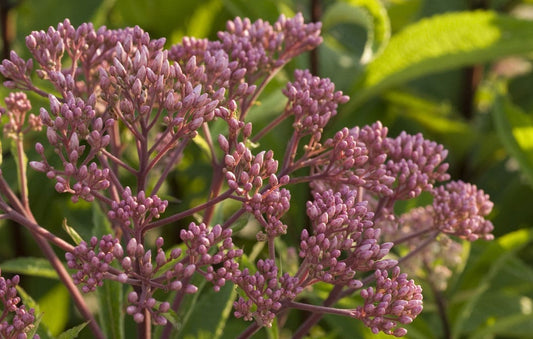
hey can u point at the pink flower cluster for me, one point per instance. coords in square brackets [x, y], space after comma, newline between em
[395, 300]
[138, 209]
[93, 262]
[343, 240]
[124, 111]
[266, 291]
[15, 320]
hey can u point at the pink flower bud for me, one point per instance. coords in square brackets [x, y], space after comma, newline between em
[38, 166]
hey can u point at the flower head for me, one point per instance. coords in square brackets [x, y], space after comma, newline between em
[395, 300]
[460, 210]
[22, 319]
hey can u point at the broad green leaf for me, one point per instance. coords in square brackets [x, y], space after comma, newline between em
[218, 305]
[516, 325]
[203, 18]
[111, 315]
[477, 277]
[493, 255]
[73, 332]
[515, 129]
[72, 232]
[440, 43]
[402, 12]
[55, 306]
[38, 267]
[188, 306]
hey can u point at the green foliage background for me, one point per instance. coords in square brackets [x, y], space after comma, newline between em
[459, 71]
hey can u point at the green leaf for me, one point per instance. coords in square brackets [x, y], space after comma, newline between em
[73, 332]
[72, 232]
[370, 14]
[515, 130]
[218, 305]
[55, 306]
[478, 276]
[110, 300]
[203, 145]
[203, 18]
[442, 43]
[38, 267]
[515, 325]
[402, 12]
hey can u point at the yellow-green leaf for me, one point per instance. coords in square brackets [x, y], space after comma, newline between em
[370, 14]
[515, 130]
[440, 43]
[72, 232]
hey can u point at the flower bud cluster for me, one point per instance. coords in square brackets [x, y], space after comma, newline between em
[260, 47]
[245, 174]
[18, 105]
[69, 125]
[246, 52]
[416, 163]
[343, 240]
[202, 250]
[265, 292]
[357, 159]
[120, 81]
[138, 267]
[92, 260]
[460, 209]
[21, 320]
[220, 73]
[394, 301]
[17, 71]
[313, 102]
[140, 209]
[210, 252]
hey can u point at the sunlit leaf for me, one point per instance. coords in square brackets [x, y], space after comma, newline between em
[55, 306]
[440, 43]
[477, 277]
[515, 129]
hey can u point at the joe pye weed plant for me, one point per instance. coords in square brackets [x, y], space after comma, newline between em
[124, 111]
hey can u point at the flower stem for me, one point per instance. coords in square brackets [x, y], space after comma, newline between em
[315, 317]
[249, 331]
